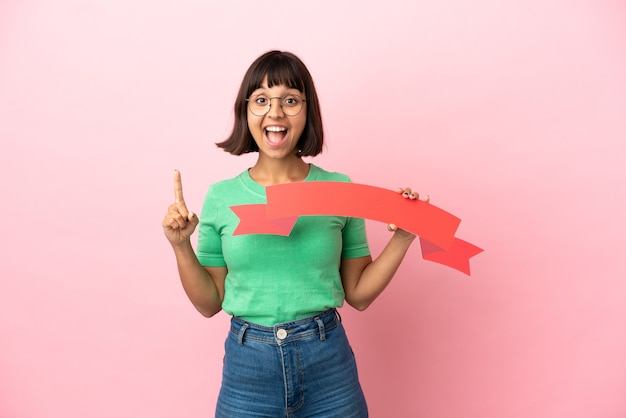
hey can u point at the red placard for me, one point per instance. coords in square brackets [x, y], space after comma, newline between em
[286, 202]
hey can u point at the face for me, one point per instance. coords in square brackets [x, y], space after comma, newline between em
[275, 133]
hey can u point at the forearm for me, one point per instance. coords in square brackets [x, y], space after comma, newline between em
[198, 284]
[376, 275]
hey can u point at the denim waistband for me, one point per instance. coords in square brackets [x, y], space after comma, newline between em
[285, 332]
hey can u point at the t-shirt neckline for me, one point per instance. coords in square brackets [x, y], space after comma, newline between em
[249, 182]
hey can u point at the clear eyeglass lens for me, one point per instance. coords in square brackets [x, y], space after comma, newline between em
[291, 104]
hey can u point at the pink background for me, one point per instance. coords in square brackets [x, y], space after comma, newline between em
[509, 114]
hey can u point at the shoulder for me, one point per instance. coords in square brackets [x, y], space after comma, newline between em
[323, 175]
[223, 190]
[227, 184]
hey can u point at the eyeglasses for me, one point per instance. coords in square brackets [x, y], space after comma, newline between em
[260, 104]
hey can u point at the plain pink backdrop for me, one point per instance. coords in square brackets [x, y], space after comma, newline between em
[509, 114]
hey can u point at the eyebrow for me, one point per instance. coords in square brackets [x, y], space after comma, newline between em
[265, 87]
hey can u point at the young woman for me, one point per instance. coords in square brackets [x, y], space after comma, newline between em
[287, 354]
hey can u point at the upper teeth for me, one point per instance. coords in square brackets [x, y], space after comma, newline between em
[276, 128]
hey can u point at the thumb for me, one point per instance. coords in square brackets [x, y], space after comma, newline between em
[193, 219]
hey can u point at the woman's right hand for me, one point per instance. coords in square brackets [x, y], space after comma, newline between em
[179, 223]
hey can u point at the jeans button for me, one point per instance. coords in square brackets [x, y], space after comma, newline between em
[281, 334]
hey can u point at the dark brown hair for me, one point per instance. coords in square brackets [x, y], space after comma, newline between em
[280, 68]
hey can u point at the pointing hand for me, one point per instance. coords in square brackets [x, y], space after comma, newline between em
[179, 223]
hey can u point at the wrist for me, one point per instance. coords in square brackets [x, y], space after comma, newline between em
[404, 235]
[182, 246]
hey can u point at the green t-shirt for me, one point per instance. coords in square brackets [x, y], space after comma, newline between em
[273, 278]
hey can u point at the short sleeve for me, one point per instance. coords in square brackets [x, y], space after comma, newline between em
[354, 239]
[209, 251]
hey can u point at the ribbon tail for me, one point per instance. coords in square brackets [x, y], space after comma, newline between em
[457, 255]
[253, 220]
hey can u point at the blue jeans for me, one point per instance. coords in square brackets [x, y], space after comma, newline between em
[297, 369]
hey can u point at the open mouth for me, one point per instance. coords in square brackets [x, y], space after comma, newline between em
[275, 135]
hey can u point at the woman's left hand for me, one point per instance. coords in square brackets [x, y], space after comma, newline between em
[407, 193]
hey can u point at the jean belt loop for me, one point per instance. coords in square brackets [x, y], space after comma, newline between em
[320, 324]
[242, 331]
[338, 315]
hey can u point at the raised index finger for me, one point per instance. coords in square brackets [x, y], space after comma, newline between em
[178, 187]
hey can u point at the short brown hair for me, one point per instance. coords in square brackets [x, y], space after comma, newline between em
[279, 67]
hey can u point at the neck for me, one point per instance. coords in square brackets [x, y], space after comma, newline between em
[267, 172]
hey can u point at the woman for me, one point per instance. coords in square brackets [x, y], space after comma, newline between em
[286, 353]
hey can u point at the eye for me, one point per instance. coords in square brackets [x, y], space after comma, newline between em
[261, 100]
[291, 101]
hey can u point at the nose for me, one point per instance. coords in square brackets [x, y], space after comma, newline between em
[276, 108]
